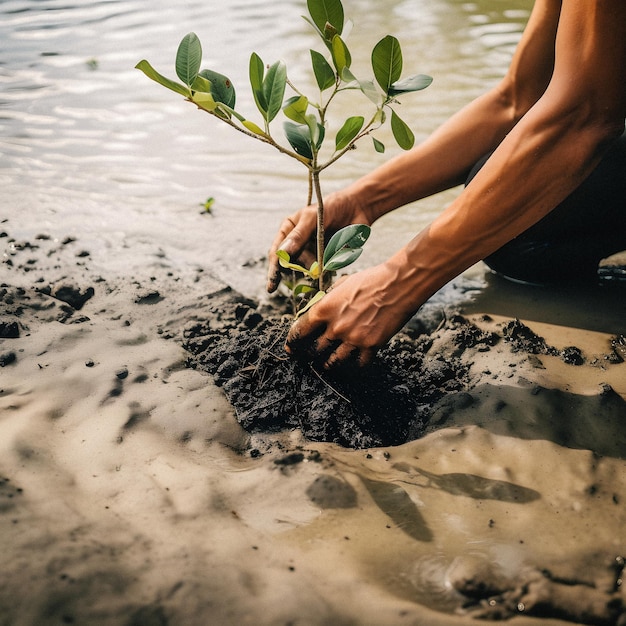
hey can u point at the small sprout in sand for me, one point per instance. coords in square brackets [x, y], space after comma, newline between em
[208, 205]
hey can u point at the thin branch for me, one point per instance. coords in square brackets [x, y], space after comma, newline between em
[369, 128]
[329, 385]
[266, 138]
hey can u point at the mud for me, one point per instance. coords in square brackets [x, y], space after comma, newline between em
[242, 348]
[468, 484]
[388, 403]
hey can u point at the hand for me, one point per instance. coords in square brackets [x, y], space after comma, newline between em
[297, 233]
[353, 320]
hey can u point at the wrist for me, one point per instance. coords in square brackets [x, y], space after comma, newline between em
[418, 270]
[369, 198]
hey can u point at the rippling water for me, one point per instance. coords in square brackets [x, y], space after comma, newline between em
[88, 145]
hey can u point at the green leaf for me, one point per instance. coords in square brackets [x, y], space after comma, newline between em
[326, 11]
[303, 288]
[352, 236]
[150, 72]
[324, 74]
[314, 300]
[348, 77]
[203, 95]
[317, 132]
[340, 54]
[295, 109]
[369, 90]
[311, 121]
[284, 260]
[256, 72]
[253, 128]
[345, 246]
[321, 133]
[201, 84]
[343, 259]
[204, 100]
[402, 133]
[273, 89]
[299, 137]
[387, 62]
[379, 146]
[224, 108]
[417, 82]
[350, 129]
[220, 87]
[188, 58]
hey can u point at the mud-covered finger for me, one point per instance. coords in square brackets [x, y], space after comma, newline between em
[287, 240]
[273, 266]
[323, 347]
[302, 336]
[344, 355]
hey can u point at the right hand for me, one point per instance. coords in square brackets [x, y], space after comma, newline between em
[296, 235]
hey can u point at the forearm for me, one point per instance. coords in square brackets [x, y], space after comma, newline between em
[544, 158]
[446, 157]
[442, 161]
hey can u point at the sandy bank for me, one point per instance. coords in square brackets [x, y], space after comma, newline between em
[130, 493]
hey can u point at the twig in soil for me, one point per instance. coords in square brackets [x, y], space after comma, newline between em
[443, 321]
[278, 358]
[329, 385]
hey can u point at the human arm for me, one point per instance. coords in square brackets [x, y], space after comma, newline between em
[544, 157]
[444, 159]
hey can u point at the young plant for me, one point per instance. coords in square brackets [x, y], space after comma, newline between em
[307, 119]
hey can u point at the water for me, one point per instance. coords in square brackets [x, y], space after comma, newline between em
[92, 148]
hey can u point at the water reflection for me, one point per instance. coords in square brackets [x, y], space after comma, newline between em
[90, 144]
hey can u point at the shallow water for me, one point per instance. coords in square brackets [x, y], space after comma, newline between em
[91, 147]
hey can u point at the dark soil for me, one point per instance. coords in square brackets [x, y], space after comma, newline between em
[384, 404]
[388, 403]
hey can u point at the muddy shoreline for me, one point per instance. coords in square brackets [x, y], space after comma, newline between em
[154, 432]
[241, 346]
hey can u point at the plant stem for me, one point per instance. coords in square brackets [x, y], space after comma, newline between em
[320, 225]
[369, 128]
[309, 197]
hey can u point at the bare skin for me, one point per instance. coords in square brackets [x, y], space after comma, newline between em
[550, 120]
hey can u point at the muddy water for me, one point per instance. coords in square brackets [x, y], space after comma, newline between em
[91, 146]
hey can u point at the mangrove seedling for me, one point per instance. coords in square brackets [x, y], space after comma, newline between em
[307, 120]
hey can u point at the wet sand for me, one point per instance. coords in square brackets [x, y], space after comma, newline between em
[131, 494]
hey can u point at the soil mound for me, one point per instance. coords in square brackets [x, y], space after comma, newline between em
[387, 403]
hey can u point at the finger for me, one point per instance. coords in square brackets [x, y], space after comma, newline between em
[366, 356]
[343, 355]
[294, 234]
[323, 347]
[347, 355]
[273, 273]
[302, 336]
